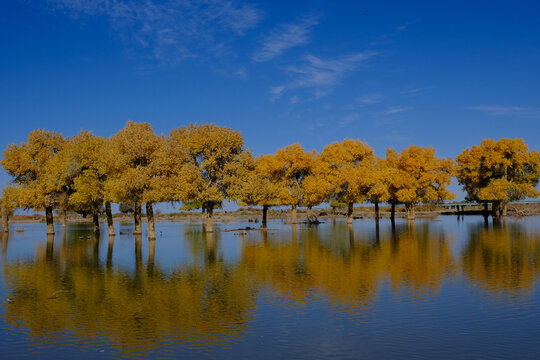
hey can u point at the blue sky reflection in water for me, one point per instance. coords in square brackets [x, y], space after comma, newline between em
[441, 289]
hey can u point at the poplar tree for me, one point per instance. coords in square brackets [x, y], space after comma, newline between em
[499, 172]
[36, 172]
[216, 151]
[417, 175]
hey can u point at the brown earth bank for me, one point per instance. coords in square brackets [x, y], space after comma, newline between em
[249, 214]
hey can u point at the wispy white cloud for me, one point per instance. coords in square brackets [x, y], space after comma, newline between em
[398, 109]
[319, 72]
[284, 37]
[323, 75]
[512, 111]
[370, 99]
[171, 30]
[294, 100]
[402, 28]
[347, 120]
[276, 92]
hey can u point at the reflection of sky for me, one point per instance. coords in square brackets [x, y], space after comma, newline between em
[456, 318]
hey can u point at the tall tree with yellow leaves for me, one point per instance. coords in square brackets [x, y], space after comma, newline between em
[253, 187]
[216, 151]
[86, 171]
[378, 187]
[133, 149]
[174, 177]
[36, 173]
[8, 204]
[287, 169]
[417, 175]
[316, 187]
[347, 167]
[499, 172]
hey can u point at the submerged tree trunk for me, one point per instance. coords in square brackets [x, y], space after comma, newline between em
[110, 222]
[49, 219]
[209, 218]
[410, 211]
[264, 215]
[151, 223]
[95, 221]
[293, 214]
[504, 209]
[496, 209]
[377, 210]
[137, 218]
[350, 213]
[5, 220]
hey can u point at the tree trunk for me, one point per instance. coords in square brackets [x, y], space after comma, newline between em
[264, 215]
[5, 220]
[410, 211]
[293, 214]
[110, 222]
[64, 221]
[350, 213]
[151, 223]
[49, 219]
[377, 210]
[137, 218]
[209, 215]
[393, 212]
[485, 212]
[496, 209]
[95, 221]
[504, 209]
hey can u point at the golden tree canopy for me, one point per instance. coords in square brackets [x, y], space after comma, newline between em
[502, 170]
[287, 169]
[347, 166]
[417, 175]
[216, 152]
[35, 170]
[133, 149]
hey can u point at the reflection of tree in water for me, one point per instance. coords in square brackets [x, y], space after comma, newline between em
[502, 259]
[349, 269]
[74, 291]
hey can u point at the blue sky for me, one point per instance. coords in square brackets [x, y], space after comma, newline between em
[392, 73]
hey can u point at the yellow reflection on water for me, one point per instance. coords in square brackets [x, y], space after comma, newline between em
[68, 288]
[503, 259]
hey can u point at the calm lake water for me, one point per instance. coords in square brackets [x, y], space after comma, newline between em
[442, 288]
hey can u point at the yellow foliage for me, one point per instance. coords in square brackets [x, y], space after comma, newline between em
[502, 170]
[287, 170]
[417, 175]
[217, 154]
[347, 167]
[35, 171]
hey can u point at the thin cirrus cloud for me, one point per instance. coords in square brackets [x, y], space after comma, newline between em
[284, 37]
[512, 111]
[171, 30]
[320, 74]
[398, 109]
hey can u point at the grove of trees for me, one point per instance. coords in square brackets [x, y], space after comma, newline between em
[202, 165]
